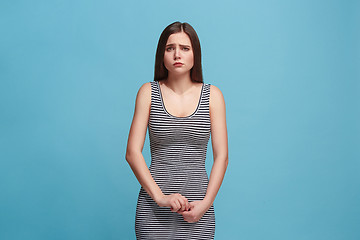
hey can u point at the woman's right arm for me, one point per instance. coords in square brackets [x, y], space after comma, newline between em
[134, 156]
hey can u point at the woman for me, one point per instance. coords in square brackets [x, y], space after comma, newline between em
[176, 197]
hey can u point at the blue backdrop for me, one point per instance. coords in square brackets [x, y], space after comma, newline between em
[289, 72]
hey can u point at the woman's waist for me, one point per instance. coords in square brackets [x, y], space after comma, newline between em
[178, 165]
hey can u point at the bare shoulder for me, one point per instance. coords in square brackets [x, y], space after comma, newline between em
[145, 90]
[144, 93]
[143, 99]
[216, 97]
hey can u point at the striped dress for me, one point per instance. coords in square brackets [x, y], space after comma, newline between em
[178, 148]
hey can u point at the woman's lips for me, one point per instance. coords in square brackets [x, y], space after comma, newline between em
[178, 64]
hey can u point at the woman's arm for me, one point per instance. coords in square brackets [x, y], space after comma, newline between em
[135, 158]
[220, 151]
[219, 141]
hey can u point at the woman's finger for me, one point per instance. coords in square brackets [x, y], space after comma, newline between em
[176, 205]
[186, 203]
[183, 204]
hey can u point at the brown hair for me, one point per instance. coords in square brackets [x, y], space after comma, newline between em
[196, 71]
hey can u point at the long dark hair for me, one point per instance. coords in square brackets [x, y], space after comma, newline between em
[196, 71]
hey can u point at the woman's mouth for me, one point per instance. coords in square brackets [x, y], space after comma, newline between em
[178, 64]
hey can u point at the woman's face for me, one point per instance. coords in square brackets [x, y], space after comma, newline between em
[178, 56]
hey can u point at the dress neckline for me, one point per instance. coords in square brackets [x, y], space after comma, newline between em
[163, 105]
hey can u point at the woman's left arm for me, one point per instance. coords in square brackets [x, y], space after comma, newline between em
[219, 140]
[220, 151]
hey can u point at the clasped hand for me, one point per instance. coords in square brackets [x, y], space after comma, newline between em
[191, 212]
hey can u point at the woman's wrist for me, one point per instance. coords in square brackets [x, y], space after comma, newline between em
[208, 203]
[157, 197]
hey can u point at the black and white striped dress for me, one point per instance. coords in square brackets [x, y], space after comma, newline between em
[178, 148]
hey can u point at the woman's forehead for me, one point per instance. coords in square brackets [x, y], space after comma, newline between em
[179, 38]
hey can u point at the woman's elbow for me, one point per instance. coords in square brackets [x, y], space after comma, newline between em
[226, 162]
[128, 155]
[131, 154]
[222, 159]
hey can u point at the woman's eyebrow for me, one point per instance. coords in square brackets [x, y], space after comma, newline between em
[172, 44]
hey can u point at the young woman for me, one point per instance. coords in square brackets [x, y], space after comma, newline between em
[181, 111]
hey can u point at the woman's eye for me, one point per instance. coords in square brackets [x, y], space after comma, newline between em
[169, 48]
[186, 49]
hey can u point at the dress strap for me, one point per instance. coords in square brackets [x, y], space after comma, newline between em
[206, 95]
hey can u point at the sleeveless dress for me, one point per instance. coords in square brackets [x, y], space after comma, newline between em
[178, 148]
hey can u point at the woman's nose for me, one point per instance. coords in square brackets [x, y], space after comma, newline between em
[177, 53]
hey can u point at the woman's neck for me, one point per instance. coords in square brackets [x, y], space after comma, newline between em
[179, 83]
[179, 77]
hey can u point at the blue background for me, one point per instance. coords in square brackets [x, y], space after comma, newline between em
[289, 72]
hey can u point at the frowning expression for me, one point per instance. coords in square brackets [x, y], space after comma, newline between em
[178, 56]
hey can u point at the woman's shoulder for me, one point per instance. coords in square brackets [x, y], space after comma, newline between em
[216, 96]
[144, 93]
[215, 91]
[144, 88]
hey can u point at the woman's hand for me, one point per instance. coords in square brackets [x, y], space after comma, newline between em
[176, 202]
[197, 210]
